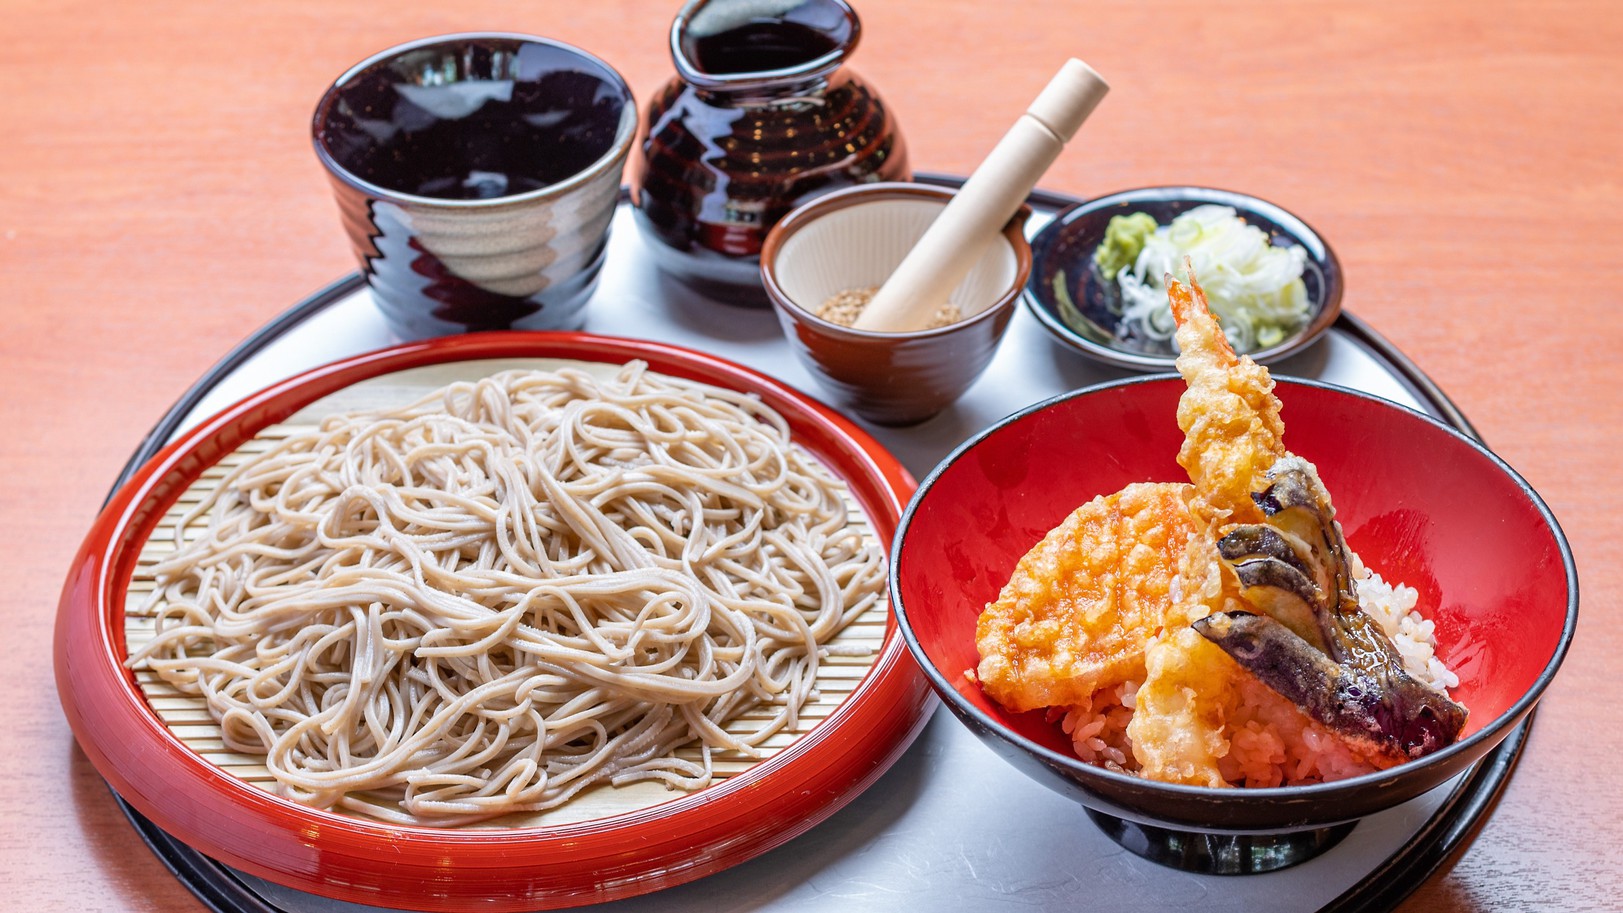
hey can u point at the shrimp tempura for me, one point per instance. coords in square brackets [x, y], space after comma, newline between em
[1232, 435]
[1229, 415]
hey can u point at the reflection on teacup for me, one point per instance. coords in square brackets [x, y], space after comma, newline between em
[476, 176]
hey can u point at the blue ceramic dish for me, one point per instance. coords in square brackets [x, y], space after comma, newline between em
[1087, 317]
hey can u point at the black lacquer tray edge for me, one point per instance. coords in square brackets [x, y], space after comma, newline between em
[1383, 888]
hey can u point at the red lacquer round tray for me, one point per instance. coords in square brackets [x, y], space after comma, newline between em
[493, 869]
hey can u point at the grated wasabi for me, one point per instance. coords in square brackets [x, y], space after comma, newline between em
[1124, 239]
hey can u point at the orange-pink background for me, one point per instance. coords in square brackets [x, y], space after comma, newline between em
[160, 202]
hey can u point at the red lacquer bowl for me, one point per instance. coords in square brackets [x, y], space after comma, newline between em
[477, 869]
[1421, 503]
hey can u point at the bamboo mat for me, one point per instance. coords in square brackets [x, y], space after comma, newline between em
[188, 717]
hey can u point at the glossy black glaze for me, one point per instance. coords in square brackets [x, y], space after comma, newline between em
[420, 296]
[1092, 327]
[761, 116]
[1219, 854]
[481, 118]
[475, 176]
[1222, 812]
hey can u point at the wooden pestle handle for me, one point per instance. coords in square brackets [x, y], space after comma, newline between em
[954, 241]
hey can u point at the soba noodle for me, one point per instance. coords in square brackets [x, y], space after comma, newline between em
[512, 590]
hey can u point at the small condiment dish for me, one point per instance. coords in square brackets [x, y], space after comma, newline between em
[1082, 310]
[853, 239]
[1421, 503]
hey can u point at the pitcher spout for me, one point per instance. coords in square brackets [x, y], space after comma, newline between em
[737, 46]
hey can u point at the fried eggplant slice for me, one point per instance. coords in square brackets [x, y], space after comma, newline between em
[1286, 559]
[1311, 641]
[1392, 717]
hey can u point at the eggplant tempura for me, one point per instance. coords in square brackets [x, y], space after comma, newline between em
[1299, 628]
[1212, 634]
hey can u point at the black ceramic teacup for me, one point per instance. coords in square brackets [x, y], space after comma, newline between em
[476, 175]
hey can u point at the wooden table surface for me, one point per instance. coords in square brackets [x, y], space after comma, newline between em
[160, 202]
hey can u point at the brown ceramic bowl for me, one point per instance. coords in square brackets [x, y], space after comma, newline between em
[855, 238]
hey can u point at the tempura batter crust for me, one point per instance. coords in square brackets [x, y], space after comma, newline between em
[1082, 604]
[1229, 415]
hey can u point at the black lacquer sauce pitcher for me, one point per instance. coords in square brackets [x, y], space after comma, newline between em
[762, 115]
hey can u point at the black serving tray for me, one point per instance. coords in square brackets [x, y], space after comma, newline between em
[949, 826]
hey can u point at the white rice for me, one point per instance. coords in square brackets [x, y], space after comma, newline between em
[1393, 608]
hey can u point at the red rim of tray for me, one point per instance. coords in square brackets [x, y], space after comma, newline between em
[432, 869]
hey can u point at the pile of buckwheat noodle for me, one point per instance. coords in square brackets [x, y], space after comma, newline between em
[511, 590]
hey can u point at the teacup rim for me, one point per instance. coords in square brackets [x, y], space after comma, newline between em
[619, 150]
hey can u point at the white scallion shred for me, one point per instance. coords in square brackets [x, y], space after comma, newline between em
[1254, 288]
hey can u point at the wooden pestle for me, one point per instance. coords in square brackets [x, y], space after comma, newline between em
[953, 243]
